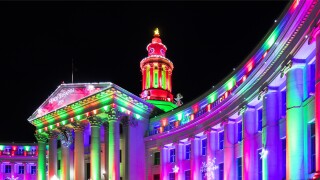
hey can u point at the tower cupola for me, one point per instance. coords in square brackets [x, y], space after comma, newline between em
[156, 75]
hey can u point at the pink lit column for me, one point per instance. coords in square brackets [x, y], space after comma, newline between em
[270, 136]
[229, 154]
[163, 163]
[179, 158]
[65, 172]
[195, 158]
[53, 154]
[249, 144]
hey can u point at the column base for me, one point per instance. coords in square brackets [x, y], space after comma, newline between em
[316, 175]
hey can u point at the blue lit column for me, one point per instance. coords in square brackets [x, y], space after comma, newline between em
[296, 127]
[249, 144]
[194, 160]
[270, 136]
[229, 154]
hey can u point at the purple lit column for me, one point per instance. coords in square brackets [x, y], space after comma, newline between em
[53, 154]
[163, 163]
[270, 136]
[249, 144]
[211, 148]
[229, 154]
[114, 149]
[195, 158]
[106, 149]
[296, 132]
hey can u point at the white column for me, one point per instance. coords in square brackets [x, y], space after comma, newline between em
[114, 146]
[179, 158]
[95, 162]
[163, 163]
[195, 158]
[79, 167]
[53, 154]
[230, 171]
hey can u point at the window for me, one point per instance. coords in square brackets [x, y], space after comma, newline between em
[156, 158]
[33, 169]
[312, 75]
[284, 103]
[171, 176]
[239, 131]
[260, 119]
[221, 171]
[259, 164]
[221, 140]
[239, 166]
[7, 169]
[156, 177]
[188, 150]
[313, 147]
[21, 170]
[172, 155]
[187, 175]
[203, 147]
[284, 158]
[58, 164]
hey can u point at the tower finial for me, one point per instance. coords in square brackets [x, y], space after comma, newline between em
[156, 33]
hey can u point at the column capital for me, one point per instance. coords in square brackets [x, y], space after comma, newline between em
[77, 126]
[53, 134]
[41, 137]
[314, 32]
[65, 136]
[112, 114]
[94, 121]
[264, 90]
[286, 67]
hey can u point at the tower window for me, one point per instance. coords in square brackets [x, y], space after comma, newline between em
[7, 169]
[284, 103]
[260, 119]
[156, 158]
[33, 169]
[187, 175]
[239, 131]
[171, 176]
[284, 158]
[312, 147]
[221, 171]
[21, 170]
[188, 151]
[172, 155]
[259, 164]
[204, 147]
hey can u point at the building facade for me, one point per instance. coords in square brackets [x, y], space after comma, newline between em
[260, 122]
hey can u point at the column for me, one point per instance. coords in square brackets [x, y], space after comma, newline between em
[106, 149]
[179, 158]
[211, 156]
[296, 127]
[229, 154]
[114, 146]
[79, 166]
[270, 136]
[25, 171]
[316, 36]
[53, 154]
[65, 171]
[249, 144]
[194, 160]
[164, 175]
[126, 158]
[42, 139]
[95, 163]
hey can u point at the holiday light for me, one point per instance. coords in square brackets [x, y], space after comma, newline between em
[175, 169]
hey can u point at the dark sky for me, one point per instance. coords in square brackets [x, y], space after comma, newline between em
[107, 41]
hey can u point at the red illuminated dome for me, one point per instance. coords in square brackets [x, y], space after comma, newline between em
[156, 74]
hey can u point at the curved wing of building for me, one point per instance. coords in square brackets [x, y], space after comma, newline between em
[260, 122]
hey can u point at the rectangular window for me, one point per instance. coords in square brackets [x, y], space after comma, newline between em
[259, 164]
[284, 103]
[171, 176]
[312, 75]
[260, 119]
[239, 131]
[156, 177]
[313, 147]
[188, 151]
[284, 158]
[221, 171]
[155, 77]
[156, 158]
[172, 155]
[187, 175]
[33, 170]
[7, 169]
[221, 136]
[163, 78]
[21, 170]
[204, 147]
[239, 166]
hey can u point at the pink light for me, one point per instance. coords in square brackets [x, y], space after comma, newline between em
[71, 119]
[265, 54]
[58, 124]
[250, 65]
[87, 114]
[161, 129]
[46, 128]
[192, 117]
[164, 122]
[209, 107]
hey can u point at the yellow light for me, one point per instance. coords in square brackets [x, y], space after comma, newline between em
[156, 32]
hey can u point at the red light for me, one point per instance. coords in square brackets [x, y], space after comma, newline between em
[58, 124]
[226, 94]
[209, 107]
[46, 128]
[161, 129]
[25, 153]
[176, 123]
[95, 111]
[191, 116]
[87, 114]
[250, 65]
[164, 122]
[14, 148]
[71, 119]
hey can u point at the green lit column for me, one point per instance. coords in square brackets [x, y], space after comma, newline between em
[296, 131]
[106, 149]
[114, 146]
[53, 154]
[95, 162]
[42, 139]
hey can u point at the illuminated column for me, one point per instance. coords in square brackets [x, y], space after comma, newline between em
[79, 167]
[42, 139]
[65, 173]
[95, 162]
[229, 154]
[195, 153]
[163, 163]
[53, 154]
[106, 149]
[212, 146]
[125, 125]
[114, 146]
[270, 136]
[25, 171]
[316, 36]
[249, 144]
[179, 158]
[296, 127]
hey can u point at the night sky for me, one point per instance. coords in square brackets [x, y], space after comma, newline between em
[107, 41]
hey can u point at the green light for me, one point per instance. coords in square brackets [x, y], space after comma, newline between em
[122, 109]
[40, 130]
[62, 113]
[63, 122]
[105, 108]
[137, 116]
[212, 97]
[78, 117]
[272, 38]
[179, 116]
[163, 105]
[163, 79]
[27, 148]
[148, 77]
[1, 147]
[230, 83]
[155, 77]
[51, 126]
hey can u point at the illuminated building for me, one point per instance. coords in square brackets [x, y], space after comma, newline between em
[260, 122]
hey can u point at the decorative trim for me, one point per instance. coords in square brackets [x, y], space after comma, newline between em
[95, 121]
[77, 126]
[286, 68]
[41, 137]
[65, 137]
[263, 92]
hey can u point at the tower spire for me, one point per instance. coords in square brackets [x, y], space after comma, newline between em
[156, 33]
